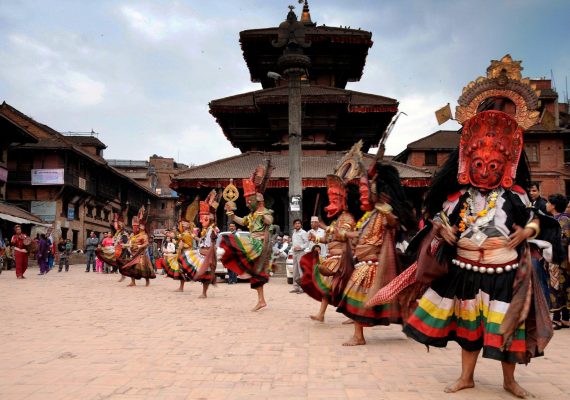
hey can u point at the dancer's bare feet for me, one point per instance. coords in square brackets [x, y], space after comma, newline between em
[131, 284]
[320, 318]
[354, 341]
[147, 282]
[202, 296]
[348, 322]
[259, 306]
[515, 389]
[458, 385]
[121, 279]
[179, 290]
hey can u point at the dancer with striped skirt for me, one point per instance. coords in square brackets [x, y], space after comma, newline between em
[386, 214]
[325, 281]
[250, 256]
[196, 264]
[489, 222]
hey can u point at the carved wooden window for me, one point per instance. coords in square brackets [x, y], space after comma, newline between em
[430, 158]
[566, 151]
[532, 152]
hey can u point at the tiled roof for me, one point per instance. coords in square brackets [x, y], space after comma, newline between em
[312, 166]
[55, 140]
[87, 141]
[444, 140]
[309, 94]
[10, 209]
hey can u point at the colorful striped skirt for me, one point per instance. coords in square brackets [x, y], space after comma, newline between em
[356, 294]
[171, 266]
[190, 262]
[315, 284]
[468, 307]
[138, 268]
[240, 256]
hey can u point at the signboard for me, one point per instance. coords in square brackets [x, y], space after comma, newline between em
[295, 203]
[82, 183]
[44, 209]
[3, 175]
[47, 176]
[70, 212]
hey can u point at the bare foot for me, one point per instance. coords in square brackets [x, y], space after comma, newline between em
[179, 290]
[348, 322]
[259, 306]
[516, 389]
[202, 296]
[458, 385]
[354, 341]
[147, 282]
[317, 318]
[131, 284]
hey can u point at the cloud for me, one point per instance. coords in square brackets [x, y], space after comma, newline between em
[41, 71]
[159, 23]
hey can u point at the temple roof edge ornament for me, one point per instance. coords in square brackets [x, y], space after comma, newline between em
[503, 80]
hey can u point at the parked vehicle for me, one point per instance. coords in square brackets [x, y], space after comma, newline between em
[221, 270]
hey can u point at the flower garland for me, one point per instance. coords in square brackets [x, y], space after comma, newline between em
[470, 218]
[363, 219]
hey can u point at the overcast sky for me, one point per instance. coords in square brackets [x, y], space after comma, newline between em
[141, 73]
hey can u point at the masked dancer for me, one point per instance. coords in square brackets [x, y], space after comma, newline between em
[325, 281]
[387, 213]
[489, 299]
[251, 255]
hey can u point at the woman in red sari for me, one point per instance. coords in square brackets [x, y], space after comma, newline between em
[20, 241]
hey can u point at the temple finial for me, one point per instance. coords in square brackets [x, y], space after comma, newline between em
[306, 15]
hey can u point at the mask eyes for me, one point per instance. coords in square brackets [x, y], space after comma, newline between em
[478, 164]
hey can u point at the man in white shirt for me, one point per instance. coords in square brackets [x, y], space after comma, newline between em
[316, 232]
[299, 242]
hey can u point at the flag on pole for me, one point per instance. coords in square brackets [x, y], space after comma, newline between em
[443, 114]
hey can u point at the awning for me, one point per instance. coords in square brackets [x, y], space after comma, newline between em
[19, 220]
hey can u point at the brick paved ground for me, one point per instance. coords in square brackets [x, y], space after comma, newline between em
[85, 336]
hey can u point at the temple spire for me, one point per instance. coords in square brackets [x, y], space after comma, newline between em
[306, 15]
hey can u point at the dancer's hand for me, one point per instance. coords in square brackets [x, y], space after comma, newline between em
[447, 233]
[519, 235]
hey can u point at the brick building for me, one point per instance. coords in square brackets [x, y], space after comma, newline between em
[65, 181]
[430, 152]
[155, 174]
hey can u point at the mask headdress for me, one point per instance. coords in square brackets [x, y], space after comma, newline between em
[349, 167]
[495, 135]
[140, 219]
[257, 184]
[210, 205]
[189, 216]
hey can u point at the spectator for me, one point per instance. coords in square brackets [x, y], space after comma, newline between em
[90, 246]
[281, 247]
[51, 253]
[316, 236]
[63, 253]
[559, 275]
[20, 242]
[42, 255]
[299, 242]
[536, 201]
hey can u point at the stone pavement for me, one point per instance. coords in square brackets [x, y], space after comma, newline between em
[84, 336]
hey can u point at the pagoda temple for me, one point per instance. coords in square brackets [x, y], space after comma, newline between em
[333, 118]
